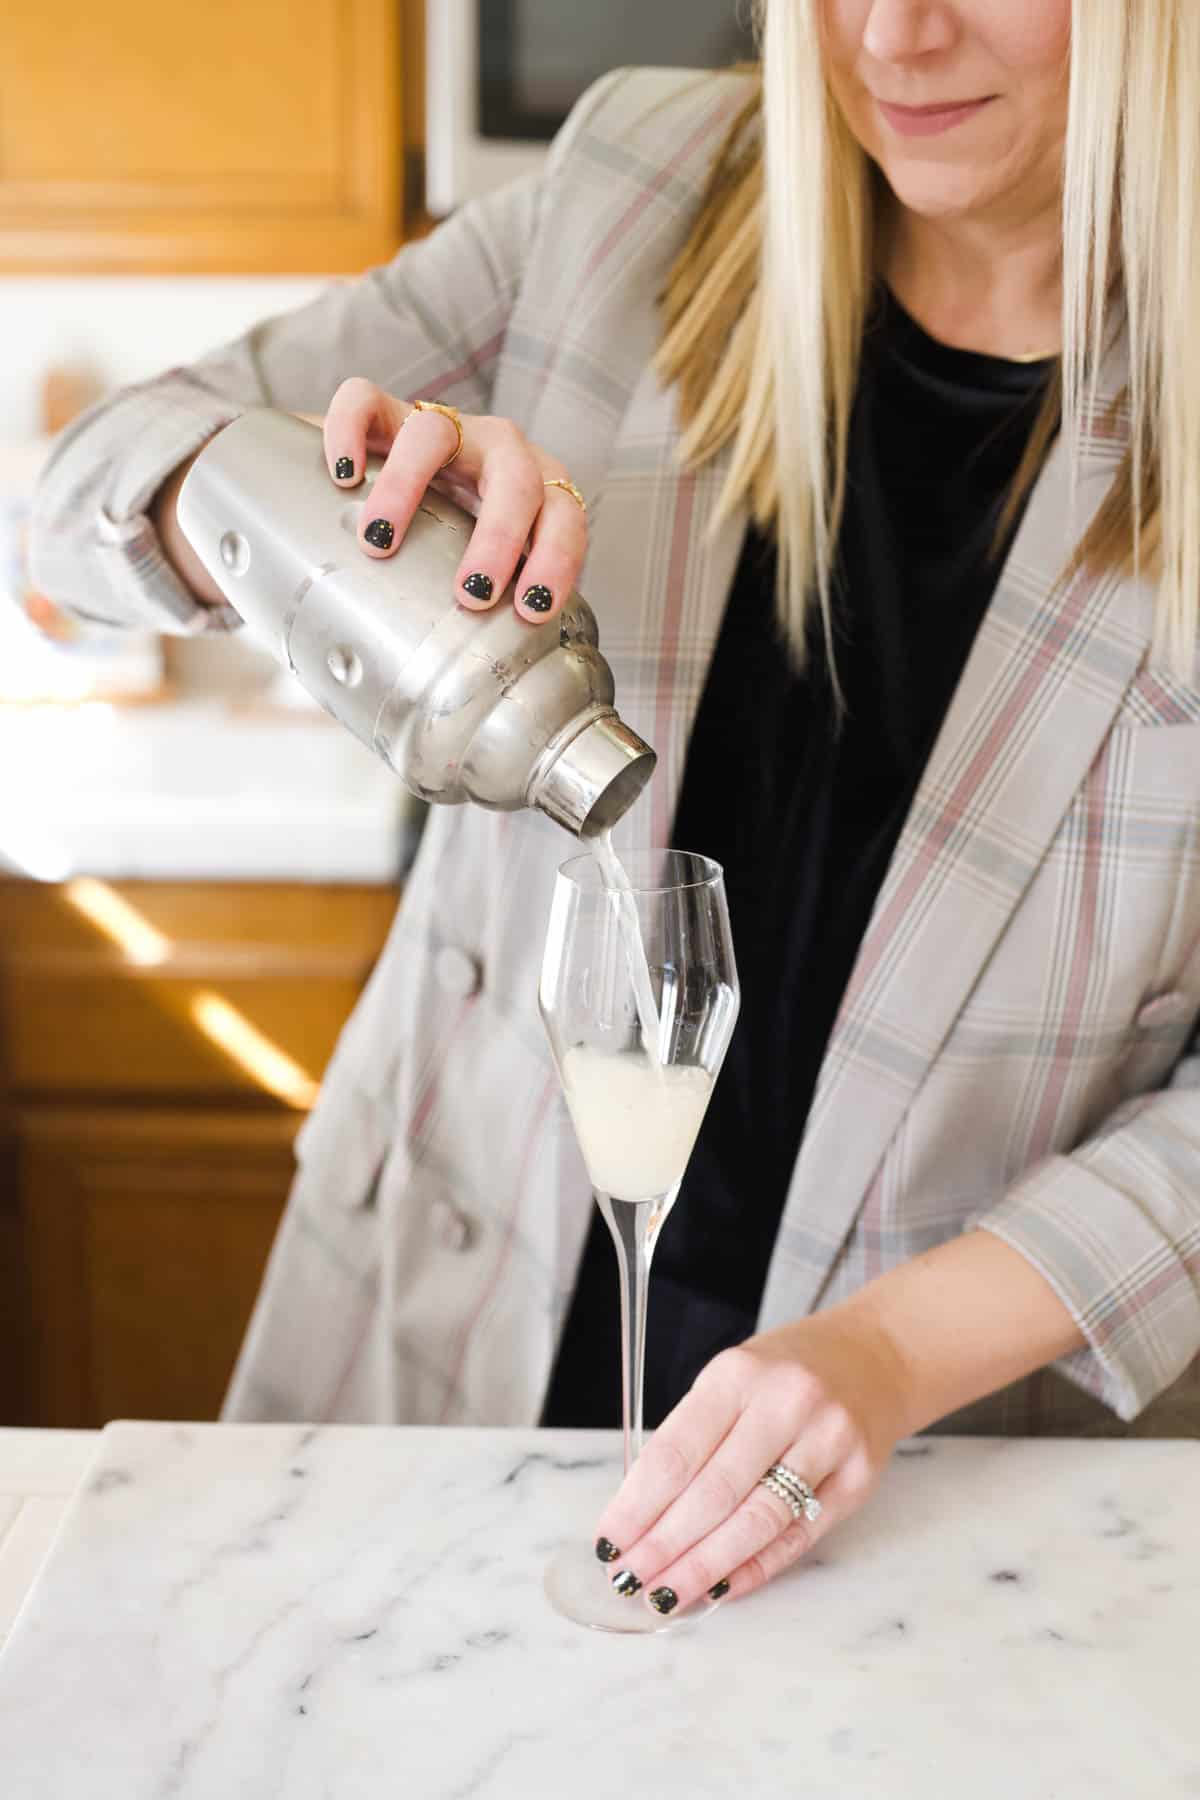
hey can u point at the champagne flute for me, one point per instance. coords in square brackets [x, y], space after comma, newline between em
[639, 996]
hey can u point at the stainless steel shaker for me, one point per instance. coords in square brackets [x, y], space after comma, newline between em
[462, 705]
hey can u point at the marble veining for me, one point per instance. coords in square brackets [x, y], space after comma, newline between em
[342, 1613]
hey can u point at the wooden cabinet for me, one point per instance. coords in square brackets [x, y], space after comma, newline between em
[160, 1045]
[241, 135]
[146, 1233]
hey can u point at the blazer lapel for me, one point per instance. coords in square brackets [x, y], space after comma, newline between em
[1035, 702]
[654, 577]
[658, 579]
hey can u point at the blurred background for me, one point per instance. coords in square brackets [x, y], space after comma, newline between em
[197, 868]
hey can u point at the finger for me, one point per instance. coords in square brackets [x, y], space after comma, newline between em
[510, 485]
[556, 553]
[839, 1498]
[719, 1487]
[761, 1533]
[689, 1538]
[676, 1453]
[419, 450]
[361, 416]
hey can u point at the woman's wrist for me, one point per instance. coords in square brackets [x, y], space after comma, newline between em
[957, 1323]
[853, 1357]
[877, 1328]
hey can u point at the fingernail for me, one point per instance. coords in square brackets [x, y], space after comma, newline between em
[380, 534]
[626, 1583]
[344, 468]
[478, 586]
[537, 599]
[663, 1600]
[719, 1592]
[605, 1551]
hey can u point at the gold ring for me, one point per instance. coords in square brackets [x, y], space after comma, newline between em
[568, 487]
[447, 412]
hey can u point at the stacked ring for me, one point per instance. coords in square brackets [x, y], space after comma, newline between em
[447, 412]
[568, 487]
[793, 1490]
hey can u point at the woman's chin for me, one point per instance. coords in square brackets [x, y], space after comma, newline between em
[933, 192]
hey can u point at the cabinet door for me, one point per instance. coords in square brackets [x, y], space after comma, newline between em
[14, 1372]
[245, 135]
[145, 1239]
[280, 963]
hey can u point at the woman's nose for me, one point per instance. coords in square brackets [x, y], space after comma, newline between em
[896, 30]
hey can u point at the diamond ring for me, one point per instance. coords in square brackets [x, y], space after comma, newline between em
[793, 1490]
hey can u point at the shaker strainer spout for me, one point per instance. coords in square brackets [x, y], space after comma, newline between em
[462, 705]
[593, 781]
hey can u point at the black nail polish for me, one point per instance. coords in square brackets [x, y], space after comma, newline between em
[478, 586]
[608, 1553]
[344, 468]
[663, 1600]
[380, 534]
[537, 599]
[626, 1583]
[719, 1592]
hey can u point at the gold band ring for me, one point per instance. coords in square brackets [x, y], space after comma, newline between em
[447, 412]
[568, 487]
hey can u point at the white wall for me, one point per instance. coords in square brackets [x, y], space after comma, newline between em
[123, 328]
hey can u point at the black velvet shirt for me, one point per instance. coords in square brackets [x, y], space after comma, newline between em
[804, 817]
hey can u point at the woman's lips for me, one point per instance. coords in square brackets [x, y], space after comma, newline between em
[926, 121]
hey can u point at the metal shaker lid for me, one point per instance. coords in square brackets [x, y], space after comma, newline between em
[595, 778]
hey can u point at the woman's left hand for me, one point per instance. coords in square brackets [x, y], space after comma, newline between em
[826, 1396]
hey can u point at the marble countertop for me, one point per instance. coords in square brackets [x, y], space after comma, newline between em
[39, 1472]
[341, 1613]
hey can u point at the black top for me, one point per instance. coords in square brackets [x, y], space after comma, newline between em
[804, 820]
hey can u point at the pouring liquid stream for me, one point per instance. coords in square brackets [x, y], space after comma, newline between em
[629, 927]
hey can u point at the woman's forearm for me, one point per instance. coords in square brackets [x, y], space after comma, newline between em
[962, 1321]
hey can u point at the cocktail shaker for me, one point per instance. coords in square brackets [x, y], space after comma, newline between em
[462, 705]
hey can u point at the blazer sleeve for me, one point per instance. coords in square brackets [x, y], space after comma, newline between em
[1114, 1227]
[428, 324]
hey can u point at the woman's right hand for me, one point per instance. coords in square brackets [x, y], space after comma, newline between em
[498, 475]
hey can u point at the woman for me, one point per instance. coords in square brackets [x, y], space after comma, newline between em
[921, 669]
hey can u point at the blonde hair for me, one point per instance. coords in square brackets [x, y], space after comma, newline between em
[765, 306]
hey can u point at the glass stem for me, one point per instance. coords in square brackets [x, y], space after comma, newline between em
[634, 1226]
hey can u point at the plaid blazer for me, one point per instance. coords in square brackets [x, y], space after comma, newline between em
[1013, 1047]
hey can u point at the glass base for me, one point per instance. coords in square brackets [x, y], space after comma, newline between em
[577, 1587]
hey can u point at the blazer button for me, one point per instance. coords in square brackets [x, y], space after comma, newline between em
[454, 1230]
[456, 972]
